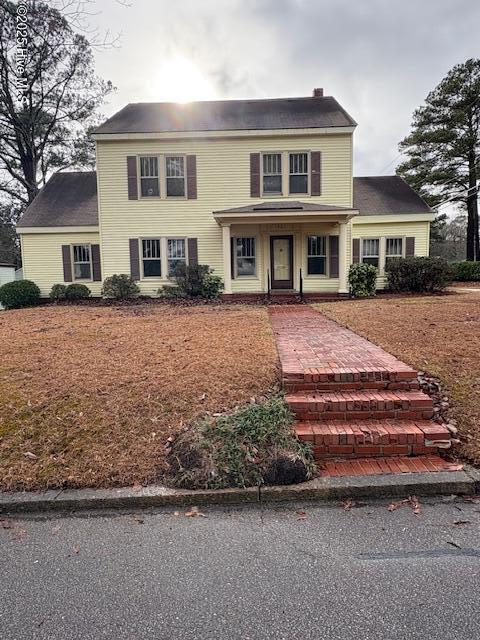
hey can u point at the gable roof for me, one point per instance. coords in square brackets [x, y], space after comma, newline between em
[228, 115]
[377, 195]
[69, 199]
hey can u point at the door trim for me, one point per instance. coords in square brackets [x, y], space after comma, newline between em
[282, 284]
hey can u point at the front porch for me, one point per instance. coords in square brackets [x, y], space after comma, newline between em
[285, 248]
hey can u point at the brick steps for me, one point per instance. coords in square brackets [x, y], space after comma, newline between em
[365, 438]
[360, 405]
[354, 378]
[386, 466]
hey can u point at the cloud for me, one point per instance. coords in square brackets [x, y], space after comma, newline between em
[379, 58]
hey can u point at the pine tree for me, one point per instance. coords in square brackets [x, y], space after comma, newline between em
[443, 148]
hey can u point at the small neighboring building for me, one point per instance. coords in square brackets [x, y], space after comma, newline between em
[7, 272]
[261, 190]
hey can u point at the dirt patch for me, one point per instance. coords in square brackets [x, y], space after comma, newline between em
[89, 395]
[437, 334]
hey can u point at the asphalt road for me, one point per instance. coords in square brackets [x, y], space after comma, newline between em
[365, 573]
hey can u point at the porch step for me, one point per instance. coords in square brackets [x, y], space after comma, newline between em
[386, 466]
[365, 438]
[351, 378]
[360, 405]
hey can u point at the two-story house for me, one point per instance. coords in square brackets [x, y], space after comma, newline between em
[261, 190]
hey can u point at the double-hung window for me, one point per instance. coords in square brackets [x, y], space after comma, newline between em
[298, 173]
[371, 251]
[175, 175]
[244, 253]
[149, 179]
[151, 258]
[393, 248]
[316, 255]
[272, 173]
[82, 262]
[176, 254]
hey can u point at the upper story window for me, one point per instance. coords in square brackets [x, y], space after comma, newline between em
[82, 262]
[393, 248]
[176, 252]
[317, 255]
[371, 251]
[149, 179]
[151, 258]
[175, 175]
[272, 173]
[245, 256]
[298, 173]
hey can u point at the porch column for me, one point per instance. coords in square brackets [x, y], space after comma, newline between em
[342, 258]
[227, 264]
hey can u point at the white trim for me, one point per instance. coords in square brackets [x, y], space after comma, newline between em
[395, 217]
[231, 133]
[252, 218]
[86, 229]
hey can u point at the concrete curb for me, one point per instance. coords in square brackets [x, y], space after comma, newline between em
[465, 482]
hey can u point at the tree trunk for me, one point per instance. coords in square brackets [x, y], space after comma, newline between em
[473, 248]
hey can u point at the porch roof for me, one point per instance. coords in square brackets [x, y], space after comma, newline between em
[284, 209]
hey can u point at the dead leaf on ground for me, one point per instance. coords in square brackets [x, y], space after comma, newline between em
[5, 523]
[413, 501]
[301, 515]
[30, 455]
[454, 544]
[195, 513]
[460, 523]
[348, 504]
[138, 519]
[56, 529]
[136, 486]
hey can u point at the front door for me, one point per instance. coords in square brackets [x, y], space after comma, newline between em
[281, 261]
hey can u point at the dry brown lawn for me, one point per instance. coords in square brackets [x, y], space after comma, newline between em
[88, 395]
[440, 335]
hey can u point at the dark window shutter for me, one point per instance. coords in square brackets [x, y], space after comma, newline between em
[409, 246]
[192, 251]
[191, 177]
[255, 175]
[67, 263]
[96, 266]
[315, 173]
[132, 177]
[333, 256]
[134, 259]
[356, 250]
[232, 258]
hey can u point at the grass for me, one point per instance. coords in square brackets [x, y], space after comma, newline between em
[89, 395]
[437, 334]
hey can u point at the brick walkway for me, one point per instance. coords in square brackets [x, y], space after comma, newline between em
[353, 400]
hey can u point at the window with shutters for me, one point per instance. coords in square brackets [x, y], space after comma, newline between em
[175, 176]
[393, 248]
[272, 173]
[371, 251]
[149, 178]
[298, 173]
[316, 255]
[245, 259]
[176, 254]
[82, 262]
[151, 258]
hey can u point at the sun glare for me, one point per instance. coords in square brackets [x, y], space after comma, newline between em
[180, 80]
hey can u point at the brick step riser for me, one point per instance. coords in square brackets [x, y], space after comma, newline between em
[364, 414]
[348, 452]
[294, 387]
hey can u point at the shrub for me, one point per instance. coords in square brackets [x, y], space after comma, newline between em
[362, 279]
[193, 281]
[19, 293]
[466, 271]
[58, 292]
[119, 287]
[418, 274]
[77, 291]
[255, 445]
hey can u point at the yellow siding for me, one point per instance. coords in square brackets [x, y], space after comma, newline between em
[363, 228]
[42, 258]
[223, 181]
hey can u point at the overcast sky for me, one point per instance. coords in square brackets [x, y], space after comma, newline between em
[379, 58]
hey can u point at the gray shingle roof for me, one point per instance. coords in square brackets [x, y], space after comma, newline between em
[283, 205]
[67, 200]
[227, 115]
[376, 195]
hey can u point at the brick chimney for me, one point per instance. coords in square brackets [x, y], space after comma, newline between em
[318, 93]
